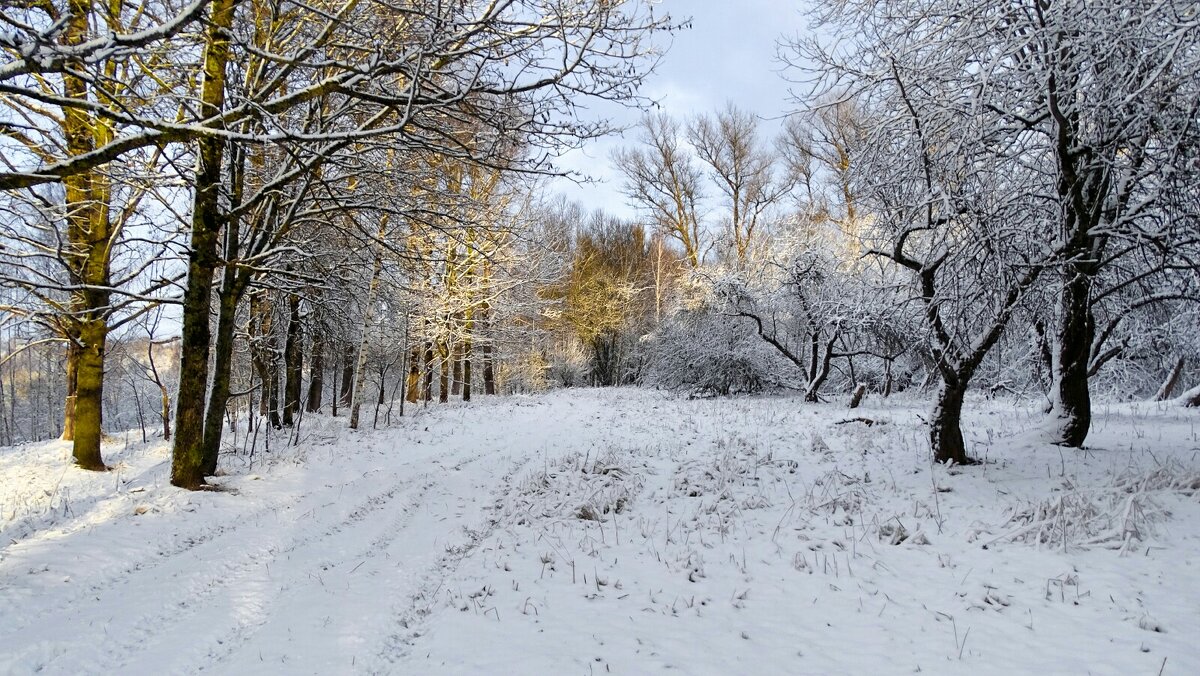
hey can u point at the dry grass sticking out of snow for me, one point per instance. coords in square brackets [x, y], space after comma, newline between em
[1121, 514]
[618, 531]
[774, 536]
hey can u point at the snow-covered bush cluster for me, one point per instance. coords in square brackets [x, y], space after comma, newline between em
[706, 352]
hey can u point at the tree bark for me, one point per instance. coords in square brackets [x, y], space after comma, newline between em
[945, 431]
[264, 357]
[72, 370]
[89, 395]
[165, 413]
[1070, 397]
[444, 380]
[412, 389]
[222, 367]
[187, 461]
[489, 368]
[466, 389]
[457, 376]
[427, 367]
[487, 351]
[316, 372]
[334, 390]
[1168, 386]
[347, 390]
[293, 363]
[90, 236]
[819, 374]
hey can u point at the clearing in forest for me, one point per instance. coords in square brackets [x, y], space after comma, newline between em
[618, 531]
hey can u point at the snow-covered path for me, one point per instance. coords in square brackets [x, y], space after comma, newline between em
[317, 566]
[614, 531]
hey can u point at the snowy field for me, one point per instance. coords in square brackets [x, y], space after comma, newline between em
[618, 531]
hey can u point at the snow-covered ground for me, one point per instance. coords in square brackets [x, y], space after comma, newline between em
[618, 531]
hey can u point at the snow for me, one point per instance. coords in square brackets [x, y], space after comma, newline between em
[618, 531]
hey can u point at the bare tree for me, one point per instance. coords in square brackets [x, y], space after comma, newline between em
[662, 178]
[748, 174]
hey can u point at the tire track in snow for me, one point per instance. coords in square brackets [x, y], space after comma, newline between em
[180, 545]
[215, 572]
[406, 619]
[224, 645]
[217, 643]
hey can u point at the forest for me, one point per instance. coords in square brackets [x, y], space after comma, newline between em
[230, 229]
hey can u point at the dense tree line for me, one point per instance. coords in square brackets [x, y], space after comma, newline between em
[272, 167]
[333, 207]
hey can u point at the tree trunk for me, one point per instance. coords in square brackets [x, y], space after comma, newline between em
[166, 413]
[293, 363]
[487, 350]
[72, 370]
[316, 372]
[334, 389]
[1071, 400]
[360, 368]
[457, 376]
[187, 461]
[90, 237]
[489, 368]
[859, 392]
[380, 398]
[466, 390]
[222, 368]
[945, 425]
[412, 389]
[262, 349]
[347, 390]
[820, 368]
[427, 367]
[1044, 364]
[1168, 386]
[90, 395]
[1191, 398]
[273, 391]
[444, 381]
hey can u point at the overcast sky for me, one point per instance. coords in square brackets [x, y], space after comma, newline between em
[727, 55]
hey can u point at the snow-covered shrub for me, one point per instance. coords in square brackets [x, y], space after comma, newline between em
[567, 366]
[706, 352]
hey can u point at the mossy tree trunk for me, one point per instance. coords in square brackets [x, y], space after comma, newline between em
[90, 236]
[188, 455]
[89, 395]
